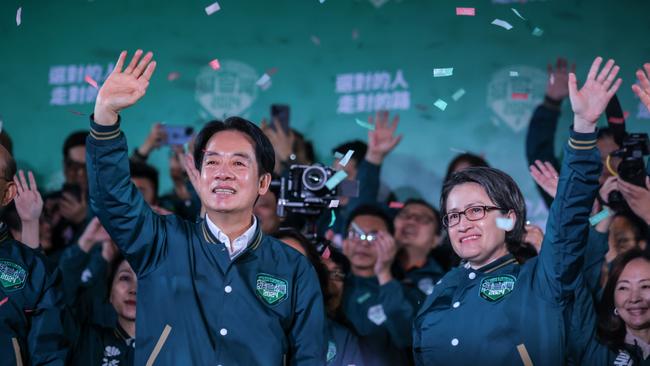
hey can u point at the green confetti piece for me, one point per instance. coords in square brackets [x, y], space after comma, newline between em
[602, 215]
[437, 73]
[517, 13]
[458, 94]
[537, 32]
[365, 124]
[514, 74]
[337, 178]
[363, 298]
[441, 104]
[333, 219]
[337, 155]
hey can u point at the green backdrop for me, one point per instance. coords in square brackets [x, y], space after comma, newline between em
[333, 62]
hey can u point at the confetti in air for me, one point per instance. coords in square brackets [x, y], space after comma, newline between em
[90, 81]
[602, 215]
[346, 159]
[466, 11]
[502, 24]
[173, 76]
[19, 14]
[337, 178]
[366, 125]
[213, 8]
[441, 104]
[458, 94]
[517, 13]
[437, 73]
[214, 64]
[505, 223]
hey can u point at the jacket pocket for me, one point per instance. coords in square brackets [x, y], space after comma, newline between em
[159, 345]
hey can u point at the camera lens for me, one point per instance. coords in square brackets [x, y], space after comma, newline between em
[314, 178]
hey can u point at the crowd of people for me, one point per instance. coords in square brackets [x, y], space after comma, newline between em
[108, 271]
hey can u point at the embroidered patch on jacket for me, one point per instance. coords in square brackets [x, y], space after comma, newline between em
[331, 351]
[376, 314]
[12, 276]
[271, 289]
[494, 288]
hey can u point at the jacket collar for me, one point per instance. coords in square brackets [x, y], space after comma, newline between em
[210, 238]
[495, 265]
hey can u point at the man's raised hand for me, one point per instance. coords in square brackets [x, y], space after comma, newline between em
[123, 88]
[590, 101]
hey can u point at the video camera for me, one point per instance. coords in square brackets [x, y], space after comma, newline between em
[304, 190]
[634, 146]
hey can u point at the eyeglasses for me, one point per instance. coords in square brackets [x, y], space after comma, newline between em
[420, 219]
[473, 213]
[369, 237]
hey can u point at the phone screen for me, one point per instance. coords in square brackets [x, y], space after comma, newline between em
[280, 113]
[178, 135]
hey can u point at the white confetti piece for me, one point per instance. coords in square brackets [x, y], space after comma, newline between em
[514, 74]
[19, 14]
[346, 159]
[337, 155]
[505, 223]
[214, 64]
[502, 24]
[211, 9]
[460, 151]
[458, 94]
[263, 80]
[441, 104]
[443, 72]
[333, 204]
[517, 13]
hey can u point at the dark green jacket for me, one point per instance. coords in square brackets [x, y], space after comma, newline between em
[195, 305]
[31, 316]
[504, 312]
[342, 346]
[381, 316]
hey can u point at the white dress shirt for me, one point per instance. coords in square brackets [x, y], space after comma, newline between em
[239, 244]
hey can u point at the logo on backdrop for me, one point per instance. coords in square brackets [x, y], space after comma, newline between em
[512, 99]
[68, 85]
[363, 92]
[230, 91]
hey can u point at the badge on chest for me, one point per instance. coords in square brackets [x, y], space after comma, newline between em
[271, 289]
[494, 288]
[12, 276]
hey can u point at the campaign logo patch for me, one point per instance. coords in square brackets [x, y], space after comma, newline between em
[12, 276]
[376, 314]
[271, 289]
[331, 351]
[494, 288]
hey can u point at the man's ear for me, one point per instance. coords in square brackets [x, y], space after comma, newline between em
[265, 183]
[10, 193]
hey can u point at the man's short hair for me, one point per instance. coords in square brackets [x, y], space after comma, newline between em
[264, 153]
[77, 138]
[146, 171]
[360, 148]
[372, 210]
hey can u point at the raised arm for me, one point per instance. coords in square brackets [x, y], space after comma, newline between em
[134, 227]
[562, 256]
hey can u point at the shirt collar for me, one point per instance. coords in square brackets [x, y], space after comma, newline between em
[636, 341]
[240, 243]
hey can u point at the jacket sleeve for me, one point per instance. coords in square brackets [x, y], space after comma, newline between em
[597, 247]
[540, 137]
[561, 258]
[399, 313]
[46, 342]
[307, 336]
[136, 229]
